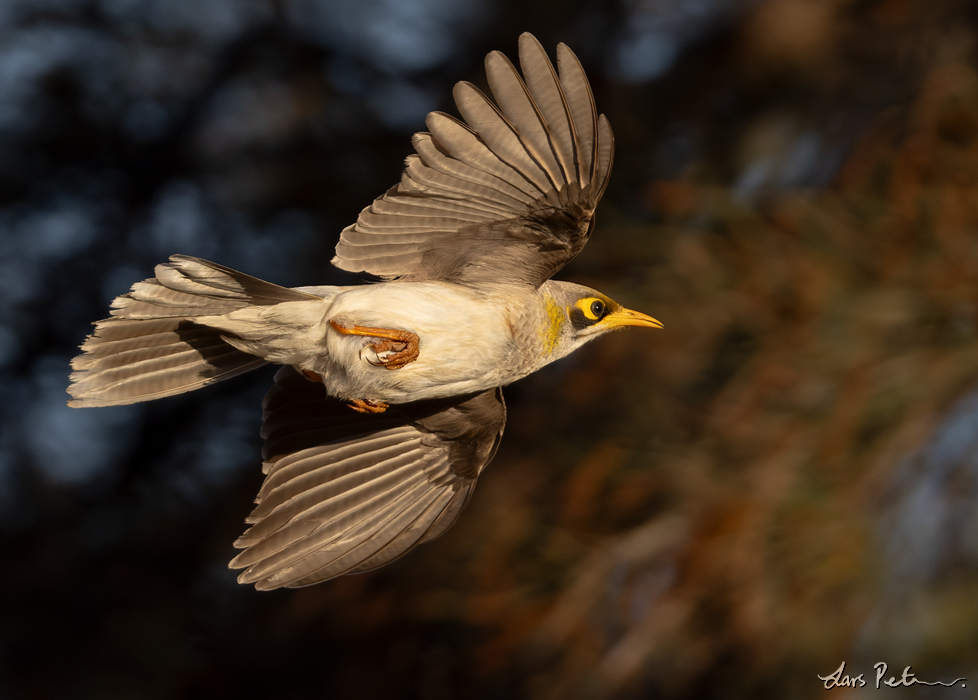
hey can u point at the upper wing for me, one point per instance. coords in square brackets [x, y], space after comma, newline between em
[346, 492]
[508, 195]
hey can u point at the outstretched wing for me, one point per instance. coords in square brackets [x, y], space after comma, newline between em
[346, 492]
[507, 195]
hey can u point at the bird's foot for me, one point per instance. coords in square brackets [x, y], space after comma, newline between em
[367, 406]
[358, 405]
[311, 376]
[394, 354]
[398, 348]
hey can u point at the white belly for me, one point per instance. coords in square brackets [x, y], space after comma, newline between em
[465, 342]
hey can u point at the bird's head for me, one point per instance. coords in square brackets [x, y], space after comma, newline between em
[578, 314]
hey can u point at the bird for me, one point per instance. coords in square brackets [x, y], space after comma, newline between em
[388, 405]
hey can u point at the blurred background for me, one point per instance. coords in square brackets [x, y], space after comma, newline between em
[783, 479]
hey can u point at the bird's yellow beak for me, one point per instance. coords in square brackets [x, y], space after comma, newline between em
[626, 317]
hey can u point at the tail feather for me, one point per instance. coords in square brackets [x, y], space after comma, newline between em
[118, 338]
[151, 347]
[203, 278]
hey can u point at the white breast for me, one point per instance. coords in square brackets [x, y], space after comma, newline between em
[466, 341]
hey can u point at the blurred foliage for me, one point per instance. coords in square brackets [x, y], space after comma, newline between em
[784, 479]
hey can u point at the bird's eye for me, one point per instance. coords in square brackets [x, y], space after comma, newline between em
[592, 308]
[587, 311]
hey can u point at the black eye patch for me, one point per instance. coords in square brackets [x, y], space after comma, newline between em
[578, 320]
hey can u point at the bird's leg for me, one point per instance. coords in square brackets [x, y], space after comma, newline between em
[311, 376]
[403, 346]
[358, 405]
[367, 406]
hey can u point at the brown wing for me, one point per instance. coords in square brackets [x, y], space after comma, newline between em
[507, 195]
[346, 492]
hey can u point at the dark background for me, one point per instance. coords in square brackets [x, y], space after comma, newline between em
[784, 479]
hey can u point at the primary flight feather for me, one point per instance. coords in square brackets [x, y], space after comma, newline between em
[389, 404]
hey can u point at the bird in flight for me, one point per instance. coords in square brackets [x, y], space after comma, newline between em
[389, 403]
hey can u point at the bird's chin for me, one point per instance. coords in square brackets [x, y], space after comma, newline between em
[596, 330]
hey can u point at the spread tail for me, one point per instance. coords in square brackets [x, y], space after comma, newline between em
[151, 347]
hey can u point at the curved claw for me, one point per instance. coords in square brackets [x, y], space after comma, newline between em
[367, 406]
[403, 347]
